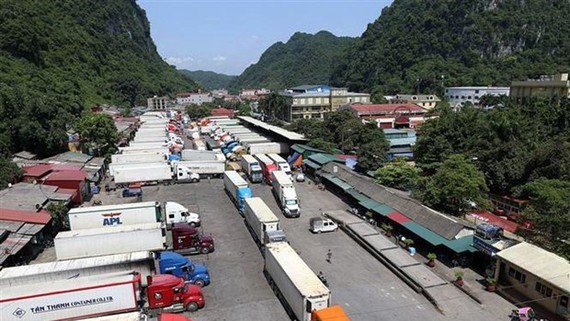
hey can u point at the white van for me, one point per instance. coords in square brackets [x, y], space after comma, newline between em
[320, 224]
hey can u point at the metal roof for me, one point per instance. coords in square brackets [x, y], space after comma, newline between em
[11, 246]
[300, 148]
[541, 263]
[10, 226]
[322, 158]
[277, 130]
[41, 217]
[311, 164]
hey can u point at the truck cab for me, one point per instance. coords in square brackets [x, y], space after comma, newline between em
[290, 203]
[188, 240]
[168, 292]
[176, 213]
[184, 174]
[182, 267]
[332, 313]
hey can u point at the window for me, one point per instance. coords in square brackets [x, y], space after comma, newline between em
[543, 289]
[476, 91]
[171, 216]
[456, 97]
[517, 275]
[468, 97]
[157, 296]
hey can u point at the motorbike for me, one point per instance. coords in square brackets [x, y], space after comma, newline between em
[323, 279]
[524, 314]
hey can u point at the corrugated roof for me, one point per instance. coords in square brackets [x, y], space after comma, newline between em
[369, 204]
[11, 246]
[460, 245]
[300, 148]
[399, 218]
[275, 129]
[432, 220]
[543, 264]
[354, 193]
[311, 164]
[41, 217]
[10, 226]
[75, 175]
[322, 158]
[383, 209]
[37, 170]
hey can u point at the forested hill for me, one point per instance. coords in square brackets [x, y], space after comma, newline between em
[476, 42]
[57, 57]
[208, 79]
[304, 59]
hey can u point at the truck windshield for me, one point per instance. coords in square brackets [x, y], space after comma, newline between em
[291, 202]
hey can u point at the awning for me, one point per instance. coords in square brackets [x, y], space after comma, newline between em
[424, 233]
[383, 209]
[356, 195]
[337, 181]
[369, 204]
[311, 164]
[461, 245]
[398, 217]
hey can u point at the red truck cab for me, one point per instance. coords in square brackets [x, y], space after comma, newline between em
[267, 170]
[168, 291]
[188, 240]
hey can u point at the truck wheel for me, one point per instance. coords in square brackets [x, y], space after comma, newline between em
[204, 250]
[194, 180]
[192, 306]
[200, 283]
[192, 224]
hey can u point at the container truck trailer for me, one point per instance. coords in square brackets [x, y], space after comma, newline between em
[260, 219]
[97, 296]
[140, 150]
[211, 168]
[110, 240]
[130, 214]
[296, 285]
[265, 148]
[237, 189]
[251, 167]
[148, 173]
[267, 166]
[281, 163]
[285, 194]
[253, 140]
[156, 157]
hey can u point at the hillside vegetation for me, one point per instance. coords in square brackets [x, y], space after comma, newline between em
[304, 59]
[480, 42]
[208, 79]
[57, 57]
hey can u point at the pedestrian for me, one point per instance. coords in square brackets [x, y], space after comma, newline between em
[329, 256]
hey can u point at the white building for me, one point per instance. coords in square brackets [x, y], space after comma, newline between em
[193, 98]
[457, 96]
[158, 103]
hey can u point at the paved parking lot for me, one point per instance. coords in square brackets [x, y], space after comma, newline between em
[366, 289]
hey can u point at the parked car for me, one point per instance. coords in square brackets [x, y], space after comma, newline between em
[320, 224]
[134, 190]
[300, 177]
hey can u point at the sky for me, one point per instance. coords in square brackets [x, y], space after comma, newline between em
[227, 36]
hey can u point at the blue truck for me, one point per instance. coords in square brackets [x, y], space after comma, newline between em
[237, 188]
[183, 267]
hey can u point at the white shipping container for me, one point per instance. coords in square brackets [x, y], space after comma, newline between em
[252, 140]
[107, 241]
[71, 299]
[138, 158]
[149, 145]
[143, 172]
[142, 262]
[212, 167]
[198, 155]
[90, 217]
[140, 150]
[260, 218]
[299, 285]
[150, 139]
[233, 181]
[264, 148]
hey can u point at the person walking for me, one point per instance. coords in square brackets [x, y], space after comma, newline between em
[329, 256]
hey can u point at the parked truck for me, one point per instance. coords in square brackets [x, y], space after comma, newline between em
[300, 290]
[150, 139]
[264, 148]
[189, 240]
[138, 158]
[267, 166]
[198, 155]
[253, 140]
[144, 262]
[147, 173]
[97, 296]
[260, 219]
[140, 316]
[140, 150]
[237, 188]
[107, 241]
[285, 194]
[251, 167]
[90, 217]
[203, 168]
[282, 164]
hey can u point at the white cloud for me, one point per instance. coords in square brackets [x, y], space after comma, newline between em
[219, 58]
[178, 61]
[254, 37]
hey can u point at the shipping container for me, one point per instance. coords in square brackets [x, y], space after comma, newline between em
[260, 219]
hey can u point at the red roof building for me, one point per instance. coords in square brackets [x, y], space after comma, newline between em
[222, 112]
[36, 172]
[41, 217]
[71, 179]
[389, 115]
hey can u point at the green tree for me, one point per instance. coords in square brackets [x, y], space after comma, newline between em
[244, 109]
[8, 171]
[549, 209]
[98, 132]
[323, 145]
[199, 111]
[273, 105]
[58, 212]
[398, 174]
[372, 147]
[455, 184]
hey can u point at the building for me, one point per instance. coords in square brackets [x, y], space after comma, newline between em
[552, 86]
[389, 115]
[532, 274]
[219, 93]
[458, 96]
[425, 101]
[253, 93]
[217, 112]
[72, 180]
[158, 103]
[314, 101]
[193, 98]
[401, 143]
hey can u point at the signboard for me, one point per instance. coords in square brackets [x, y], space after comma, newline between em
[481, 245]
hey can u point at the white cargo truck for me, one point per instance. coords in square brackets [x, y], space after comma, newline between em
[292, 279]
[107, 241]
[204, 168]
[260, 219]
[142, 262]
[199, 155]
[251, 167]
[281, 163]
[140, 150]
[142, 172]
[253, 140]
[82, 218]
[285, 194]
[150, 145]
[138, 158]
[263, 148]
[237, 188]
[150, 139]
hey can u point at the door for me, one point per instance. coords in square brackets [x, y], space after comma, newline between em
[562, 307]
